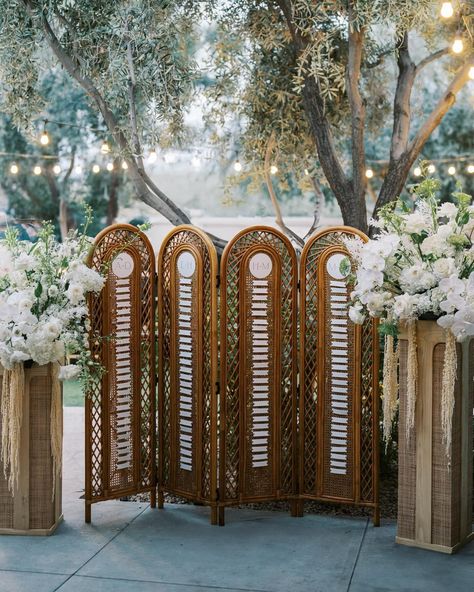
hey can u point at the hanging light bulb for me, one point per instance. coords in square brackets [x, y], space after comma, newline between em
[110, 166]
[95, 168]
[447, 10]
[273, 169]
[417, 172]
[44, 138]
[470, 169]
[452, 170]
[56, 169]
[431, 168]
[152, 157]
[14, 169]
[124, 165]
[37, 170]
[78, 170]
[457, 45]
[471, 72]
[237, 166]
[369, 173]
[105, 148]
[306, 172]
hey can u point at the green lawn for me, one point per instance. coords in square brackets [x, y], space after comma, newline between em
[72, 394]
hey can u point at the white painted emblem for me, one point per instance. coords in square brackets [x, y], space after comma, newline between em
[260, 265]
[186, 264]
[333, 266]
[122, 265]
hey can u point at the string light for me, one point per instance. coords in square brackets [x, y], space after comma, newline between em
[447, 10]
[110, 166]
[78, 169]
[14, 169]
[471, 72]
[470, 169]
[37, 170]
[273, 169]
[44, 138]
[457, 45]
[417, 172]
[56, 169]
[124, 165]
[95, 168]
[431, 168]
[369, 173]
[306, 172]
[152, 157]
[452, 170]
[237, 166]
[105, 148]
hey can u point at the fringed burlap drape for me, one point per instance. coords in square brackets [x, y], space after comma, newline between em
[447, 392]
[56, 424]
[13, 387]
[390, 386]
[412, 377]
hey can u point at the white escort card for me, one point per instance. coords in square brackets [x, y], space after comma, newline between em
[186, 267]
[339, 365]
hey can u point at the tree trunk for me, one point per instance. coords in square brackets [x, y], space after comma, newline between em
[112, 206]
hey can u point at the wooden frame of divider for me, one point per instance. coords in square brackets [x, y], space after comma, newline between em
[358, 480]
[187, 367]
[120, 408]
[258, 445]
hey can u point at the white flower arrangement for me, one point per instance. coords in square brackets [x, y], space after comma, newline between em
[421, 263]
[420, 266]
[43, 311]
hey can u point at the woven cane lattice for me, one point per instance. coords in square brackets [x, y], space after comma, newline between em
[187, 362]
[120, 408]
[338, 377]
[258, 367]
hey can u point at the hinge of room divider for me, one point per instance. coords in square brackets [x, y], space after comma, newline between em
[218, 281]
[298, 285]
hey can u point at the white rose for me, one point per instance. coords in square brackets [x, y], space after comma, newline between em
[415, 223]
[447, 210]
[356, 315]
[53, 291]
[75, 294]
[25, 262]
[444, 267]
[69, 372]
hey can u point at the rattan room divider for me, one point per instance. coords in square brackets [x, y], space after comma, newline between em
[338, 407]
[187, 367]
[120, 408]
[265, 421]
[258, 369]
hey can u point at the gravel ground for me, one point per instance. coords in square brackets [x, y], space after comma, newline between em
[388, 503]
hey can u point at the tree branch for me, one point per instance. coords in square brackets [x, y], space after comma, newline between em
[401, 105]
[271, 190]
[70, 168]
[132, 103]
[159, 201]
[431, 58]
[317, 208]
[356, 39]
[442, 107]
[313, 103]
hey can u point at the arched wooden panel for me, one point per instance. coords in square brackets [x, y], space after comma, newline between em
[258, 368]
[338, 381]
[187, 365]
[120, 408]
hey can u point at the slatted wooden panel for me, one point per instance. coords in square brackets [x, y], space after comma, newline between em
[258, 368]
[338, 377]
[187, 364]
[120, 409]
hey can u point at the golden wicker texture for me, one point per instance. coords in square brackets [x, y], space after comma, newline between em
[187, 366]
[120, 408]
[258, 368]
[338, 376]
[435, 488]
[33, 509]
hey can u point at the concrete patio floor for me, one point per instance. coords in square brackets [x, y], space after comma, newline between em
[130, 547]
